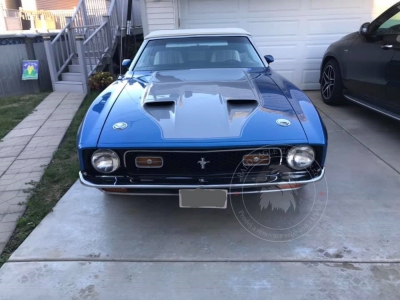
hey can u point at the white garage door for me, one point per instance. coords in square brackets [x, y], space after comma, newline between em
[295, 32]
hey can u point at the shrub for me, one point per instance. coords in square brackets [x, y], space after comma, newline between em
[100, 80]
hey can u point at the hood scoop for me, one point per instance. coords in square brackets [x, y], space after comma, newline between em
[248, 102]
[241, 108]
[160, 103]
[153, 98]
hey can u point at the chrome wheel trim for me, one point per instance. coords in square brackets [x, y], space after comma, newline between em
[328, 82]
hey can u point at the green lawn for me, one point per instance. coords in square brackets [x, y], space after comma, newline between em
[58, 177]
[14, 109]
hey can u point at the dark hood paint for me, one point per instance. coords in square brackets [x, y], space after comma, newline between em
[189, 108]
[350, 36]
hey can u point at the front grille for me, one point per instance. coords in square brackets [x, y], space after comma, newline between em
[190, 162]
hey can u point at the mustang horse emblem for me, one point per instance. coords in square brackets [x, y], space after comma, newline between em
[203, 162]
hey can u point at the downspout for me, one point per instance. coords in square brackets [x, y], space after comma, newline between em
[129, 17]
[177, 14]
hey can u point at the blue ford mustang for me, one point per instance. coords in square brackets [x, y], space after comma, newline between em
[201, 110]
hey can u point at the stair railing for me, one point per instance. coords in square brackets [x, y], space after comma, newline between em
[100, 43]
[94, 26]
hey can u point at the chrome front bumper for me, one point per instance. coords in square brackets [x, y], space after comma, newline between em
[252, 188]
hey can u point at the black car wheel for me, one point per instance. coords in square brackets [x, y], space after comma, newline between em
[331, 83]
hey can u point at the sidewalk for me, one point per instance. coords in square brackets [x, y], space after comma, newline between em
[27, 149]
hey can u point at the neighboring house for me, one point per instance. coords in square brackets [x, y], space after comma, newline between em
[17, 15]
[48, 4]
[44, 14]
[295, 32]
[10, 4]
[9, 15]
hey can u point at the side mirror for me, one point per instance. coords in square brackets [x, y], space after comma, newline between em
[269, 58]
[364, 29]
[126, 62]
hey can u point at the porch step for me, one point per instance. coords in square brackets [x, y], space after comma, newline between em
[76, 68]
[68, 86]
[94, 61]
[71, 77]
[94, 53]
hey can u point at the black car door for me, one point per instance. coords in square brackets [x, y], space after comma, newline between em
[392, 40]
[369, 58]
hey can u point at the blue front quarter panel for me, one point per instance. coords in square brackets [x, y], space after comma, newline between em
[92, 124]
[307, 113]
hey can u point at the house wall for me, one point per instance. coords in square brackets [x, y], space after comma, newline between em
[12, 4]
[56, 4]
[160, 14]
[136, 16]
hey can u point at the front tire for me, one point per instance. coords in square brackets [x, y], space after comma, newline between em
[331, 83]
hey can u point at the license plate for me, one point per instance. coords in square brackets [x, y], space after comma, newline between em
[200, 198]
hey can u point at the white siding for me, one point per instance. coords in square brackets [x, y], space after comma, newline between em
[136, 17]
[160, 14]
[55, 4]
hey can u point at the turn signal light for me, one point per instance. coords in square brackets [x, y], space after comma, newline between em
[289, 186]
[149, 162]
[256, 160]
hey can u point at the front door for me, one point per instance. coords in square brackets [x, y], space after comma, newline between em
[366, 69]
[373, 69]
[391, 39]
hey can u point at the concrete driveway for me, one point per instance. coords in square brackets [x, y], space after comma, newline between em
[95, 246]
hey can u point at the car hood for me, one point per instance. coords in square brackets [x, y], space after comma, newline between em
[350, 36]
[200, 107]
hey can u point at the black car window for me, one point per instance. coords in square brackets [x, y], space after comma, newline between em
[389, 23]
[198, 53]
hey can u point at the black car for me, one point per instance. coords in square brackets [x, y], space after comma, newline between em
[364, 67]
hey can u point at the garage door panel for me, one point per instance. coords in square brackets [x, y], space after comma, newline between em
[275, 28]
[332, 26]
[315, 51]
[289, 75]
[336, 4]
[310, 76]
[279, 52]
[273, 5]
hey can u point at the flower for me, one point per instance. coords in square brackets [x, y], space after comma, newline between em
[100, 80]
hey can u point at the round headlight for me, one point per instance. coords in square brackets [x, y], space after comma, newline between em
[300, 157]
[105, 161]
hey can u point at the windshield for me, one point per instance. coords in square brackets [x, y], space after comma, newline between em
[198, 53]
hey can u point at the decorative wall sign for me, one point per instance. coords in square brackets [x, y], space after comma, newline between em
[30, 70]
